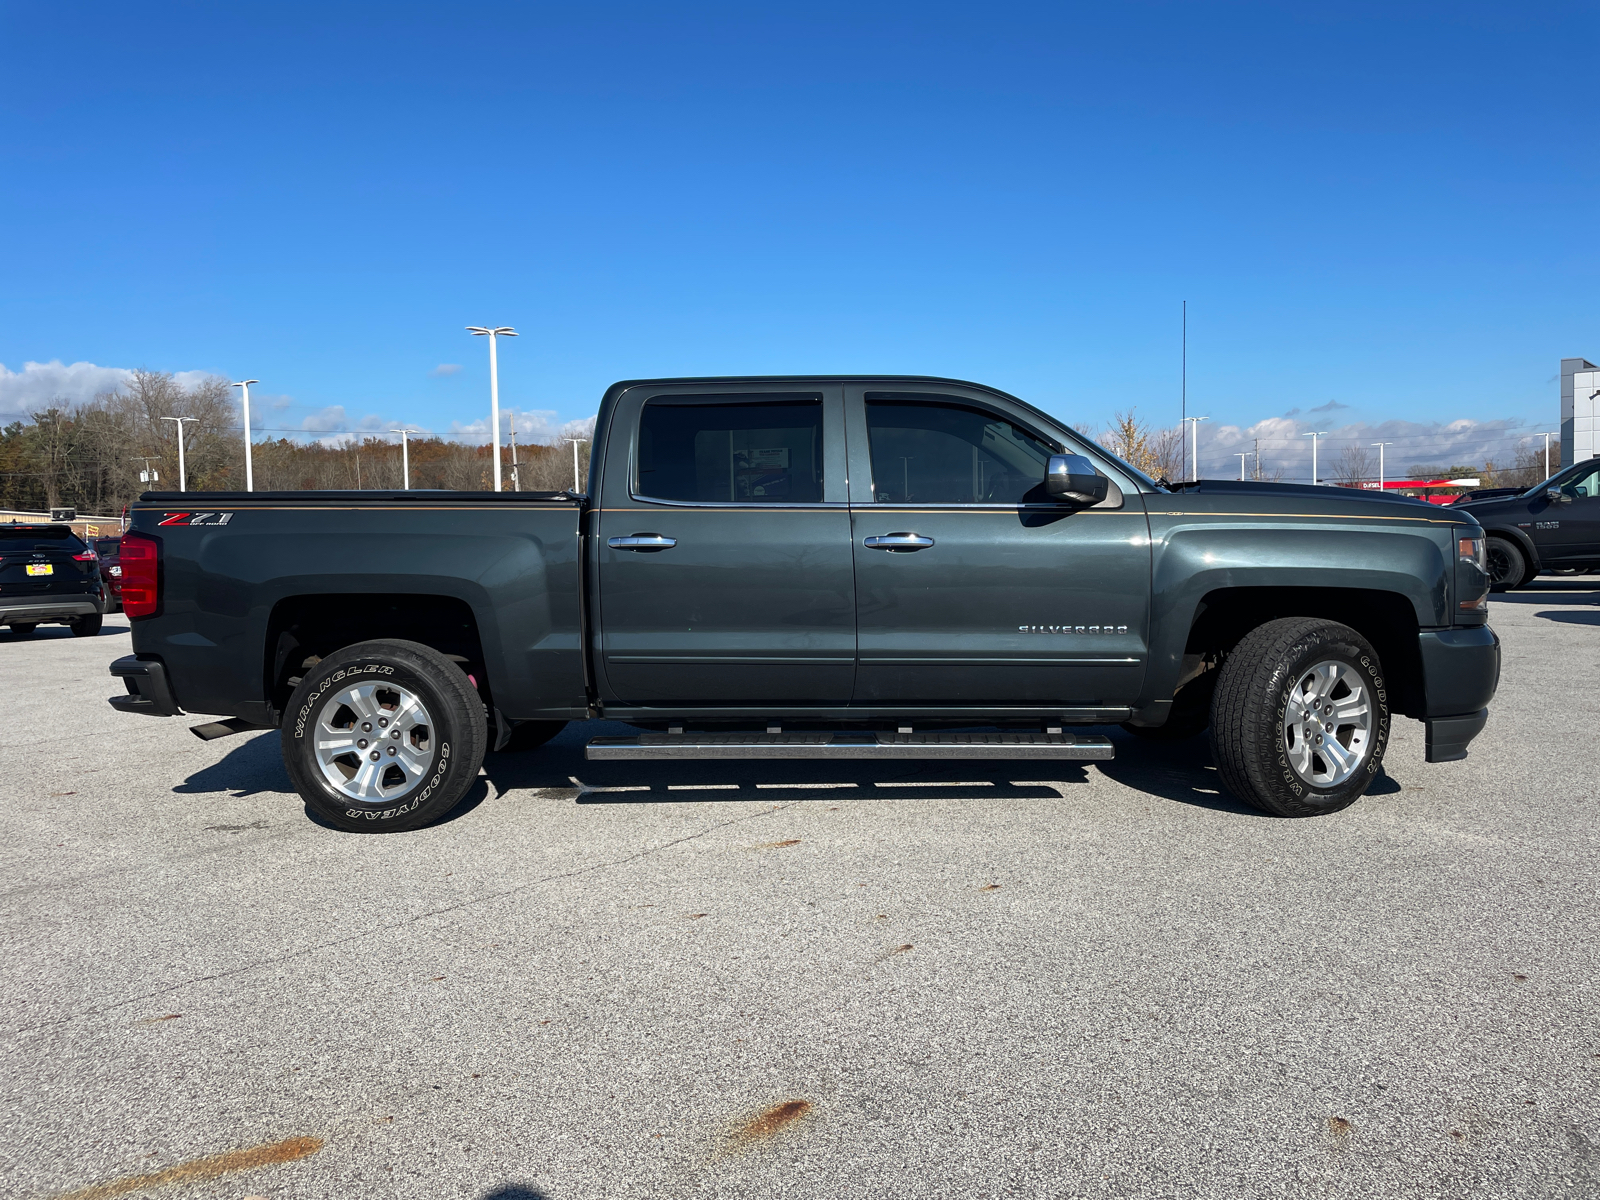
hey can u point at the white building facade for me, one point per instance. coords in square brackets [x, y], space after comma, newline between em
[1580, 410]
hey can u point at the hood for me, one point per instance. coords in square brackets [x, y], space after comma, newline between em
[1290, 492]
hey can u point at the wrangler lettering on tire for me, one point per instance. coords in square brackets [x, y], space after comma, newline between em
[388, 735]
[1300, 719]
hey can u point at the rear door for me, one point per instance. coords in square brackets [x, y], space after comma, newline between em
[723, 548]
[972, 586]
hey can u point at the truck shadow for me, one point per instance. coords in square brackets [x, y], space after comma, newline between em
[1181, 772]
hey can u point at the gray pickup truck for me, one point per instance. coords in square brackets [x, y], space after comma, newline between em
[813, 567]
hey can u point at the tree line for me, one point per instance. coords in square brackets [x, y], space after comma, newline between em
[89, 455]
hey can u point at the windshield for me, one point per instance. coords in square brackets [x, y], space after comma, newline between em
[1576, 481]
[39, 537]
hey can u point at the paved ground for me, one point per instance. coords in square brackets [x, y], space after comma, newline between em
[942, 982]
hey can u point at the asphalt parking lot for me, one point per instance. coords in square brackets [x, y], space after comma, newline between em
[811, 980]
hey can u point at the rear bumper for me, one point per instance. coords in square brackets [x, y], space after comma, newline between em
[63, 608]
[149, 690]
[1460, 673]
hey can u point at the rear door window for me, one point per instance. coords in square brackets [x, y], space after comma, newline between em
[747, 451]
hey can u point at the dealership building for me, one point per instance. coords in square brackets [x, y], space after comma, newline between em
[1580, 410]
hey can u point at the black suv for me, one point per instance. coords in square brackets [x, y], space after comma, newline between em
[1552, 527]
[48, 575]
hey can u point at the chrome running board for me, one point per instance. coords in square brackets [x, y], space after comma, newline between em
[1008, 745]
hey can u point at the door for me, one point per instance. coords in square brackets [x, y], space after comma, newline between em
[972, 587]
[724, 565]
[1570, 532]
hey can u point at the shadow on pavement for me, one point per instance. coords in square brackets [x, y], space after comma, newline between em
[1569, 617]
[517, 1191]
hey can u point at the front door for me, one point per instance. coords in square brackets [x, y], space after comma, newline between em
[972, 587]
[724, 565]
[1569, 532]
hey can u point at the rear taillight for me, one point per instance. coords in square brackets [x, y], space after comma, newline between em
[140, 589]
[86, 556]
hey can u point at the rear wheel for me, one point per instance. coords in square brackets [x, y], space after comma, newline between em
[88, 626]
[383, 736]
[1508, 566]
[1301, 717]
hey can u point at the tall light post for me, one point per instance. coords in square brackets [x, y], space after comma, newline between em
[516, 475]
[249, 473]
[1314, 437]
[183, 478]
[1380, 446]
[1194, 458]
[1547, 438]
[1243, 454]
[405, 457]
[494, 385]
[576, 484]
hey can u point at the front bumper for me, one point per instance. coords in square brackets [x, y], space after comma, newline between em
[1460, 673]
[149, 690]
[64, 608]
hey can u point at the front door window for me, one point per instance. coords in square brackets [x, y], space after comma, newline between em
[935, 454]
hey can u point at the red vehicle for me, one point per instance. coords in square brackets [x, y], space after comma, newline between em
[110, 549]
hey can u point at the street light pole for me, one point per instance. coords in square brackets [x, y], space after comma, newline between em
[1547, 438]
[1243, 454]
[183, 478]
[494, 385]
[1194, 458]
[1380, 446]
[249, 473]
[516, 480]
[405, 457]
[1314, 437]
[577, 484]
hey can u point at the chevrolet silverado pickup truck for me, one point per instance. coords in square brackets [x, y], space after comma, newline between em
[818, 568]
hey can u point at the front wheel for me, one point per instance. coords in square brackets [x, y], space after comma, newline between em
[1300, 719]
[1507, 565]
[383, 736]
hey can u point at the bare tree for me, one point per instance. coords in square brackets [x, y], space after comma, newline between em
[1354, 465]
[1156, 452]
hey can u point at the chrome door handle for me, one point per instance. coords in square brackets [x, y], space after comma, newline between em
[642, 541]
[898, 541]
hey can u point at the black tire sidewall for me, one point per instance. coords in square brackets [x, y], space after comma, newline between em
[1287, 787]
[1518, 562]
[451, 769]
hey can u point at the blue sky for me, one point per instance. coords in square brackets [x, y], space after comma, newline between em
[1390, 208]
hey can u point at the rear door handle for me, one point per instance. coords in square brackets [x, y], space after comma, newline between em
[898, 541]
[642, 541]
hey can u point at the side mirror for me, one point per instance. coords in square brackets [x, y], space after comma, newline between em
[1072, 477]
[1556, 496]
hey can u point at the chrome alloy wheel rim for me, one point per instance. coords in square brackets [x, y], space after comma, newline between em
[375, 742]
[1327, 725]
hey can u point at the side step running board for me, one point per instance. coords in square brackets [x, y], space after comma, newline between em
[1009, 745]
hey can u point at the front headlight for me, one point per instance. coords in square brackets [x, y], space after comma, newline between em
[1474, 550]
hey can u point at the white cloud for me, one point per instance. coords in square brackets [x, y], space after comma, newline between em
[444, 369]
[38, 384]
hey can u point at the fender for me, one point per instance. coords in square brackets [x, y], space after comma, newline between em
[1524, 543]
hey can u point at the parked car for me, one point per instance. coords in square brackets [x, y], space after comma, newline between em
[47, 575]
[109, 550]
[1551, 527]
[817, 568]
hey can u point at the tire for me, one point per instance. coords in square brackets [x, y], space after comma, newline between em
[426, 770]
[530, 735]
[25, 630]
[1508, 566]
[1251, 738]
[86, 626]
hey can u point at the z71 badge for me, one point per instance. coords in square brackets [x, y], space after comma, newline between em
[199, 518]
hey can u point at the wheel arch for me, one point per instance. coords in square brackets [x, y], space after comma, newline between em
[1387, 620]
[304, 628]
[1521, 540]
